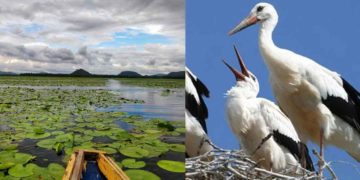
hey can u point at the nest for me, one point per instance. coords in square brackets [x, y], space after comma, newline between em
[235, 164]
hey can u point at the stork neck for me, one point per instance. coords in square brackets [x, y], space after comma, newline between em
[266, 42]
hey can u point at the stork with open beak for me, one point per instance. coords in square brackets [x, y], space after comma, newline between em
[196, 139]
[322, 105]
[262, 129]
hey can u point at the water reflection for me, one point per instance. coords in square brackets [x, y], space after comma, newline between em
[156, 106]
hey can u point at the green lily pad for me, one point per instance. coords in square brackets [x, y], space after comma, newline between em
[177, 147]
[7, 146]
[172, 166]
[56, 170]
[46, 143]
[6, 165]
[137, 174]
[55, 133]
[22, 158]
[39, 130]
[108, 150]
[132, 163]
[64, 137]
[20, 171]
[38, 173]
[37, 136]
[152, 131]
[180, 130]
[134, 152]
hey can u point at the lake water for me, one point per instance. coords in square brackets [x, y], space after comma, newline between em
[156, 105]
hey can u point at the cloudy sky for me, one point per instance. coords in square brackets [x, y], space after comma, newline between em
[101, 36]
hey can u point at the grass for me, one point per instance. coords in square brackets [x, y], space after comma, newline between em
[154, 82]
[88, 81]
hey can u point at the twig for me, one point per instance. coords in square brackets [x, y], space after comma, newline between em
[325, 165]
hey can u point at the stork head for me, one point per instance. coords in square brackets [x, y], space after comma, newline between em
[247, 84]
[263, 13]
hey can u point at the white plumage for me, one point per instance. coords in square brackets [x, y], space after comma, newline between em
[196, 140]
[320, 103]
[262, 129]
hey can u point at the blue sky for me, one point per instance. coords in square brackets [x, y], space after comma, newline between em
[134, 37]
[326, 31]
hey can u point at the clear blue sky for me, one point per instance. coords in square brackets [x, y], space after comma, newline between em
[326, 31]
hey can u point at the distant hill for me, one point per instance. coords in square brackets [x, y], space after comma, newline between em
[158, 75]
[129, 74]
[80, 72]
[3, 73]
[179, 74]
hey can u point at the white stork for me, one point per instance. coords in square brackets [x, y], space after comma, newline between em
[196, 140]
[261, 127]
[322, 105]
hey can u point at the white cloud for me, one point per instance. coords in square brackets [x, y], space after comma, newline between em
[58, 36]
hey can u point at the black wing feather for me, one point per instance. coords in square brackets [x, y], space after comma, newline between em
[297, 149]
[348, 110]
[199, 111]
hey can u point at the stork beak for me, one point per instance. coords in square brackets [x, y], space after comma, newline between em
[251, 20]
[244, 70]
[237, 74]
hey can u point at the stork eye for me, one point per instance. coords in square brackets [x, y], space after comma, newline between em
[260, 8]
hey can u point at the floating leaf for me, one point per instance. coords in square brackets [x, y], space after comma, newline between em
[132, 163]
[134, 152]
[6, 165]
[180, 130]
[172, 166]
[107, 150]
[177, 147]
[137, 174]
[152, 131]
[64, 137]
[46, 143]
[5, 145]
[39, 130]
[38, 172]
[22, 158]
[56, 170]
[37, 136]
[20, 171]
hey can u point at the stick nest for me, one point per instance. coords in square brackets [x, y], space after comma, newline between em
[235, 164]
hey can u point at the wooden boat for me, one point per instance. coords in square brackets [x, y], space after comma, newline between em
[92, 164]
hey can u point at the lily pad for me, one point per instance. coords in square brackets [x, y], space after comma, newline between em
[6, 165]
[132, 163]
[37, 136]
[20, 171]
[172, 166]
[108, 150]
[137, 174]
[38, 173]
[7, 145]
[64, 137]
[134, 152]
[56, 170]
[22, 158]
[177, 147]
[39, 130]
[46, 143]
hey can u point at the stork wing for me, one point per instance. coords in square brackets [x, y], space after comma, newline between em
[284, 133]
[194, 90]
[337, 94]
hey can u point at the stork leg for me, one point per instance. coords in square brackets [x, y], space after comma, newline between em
[321, 159]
